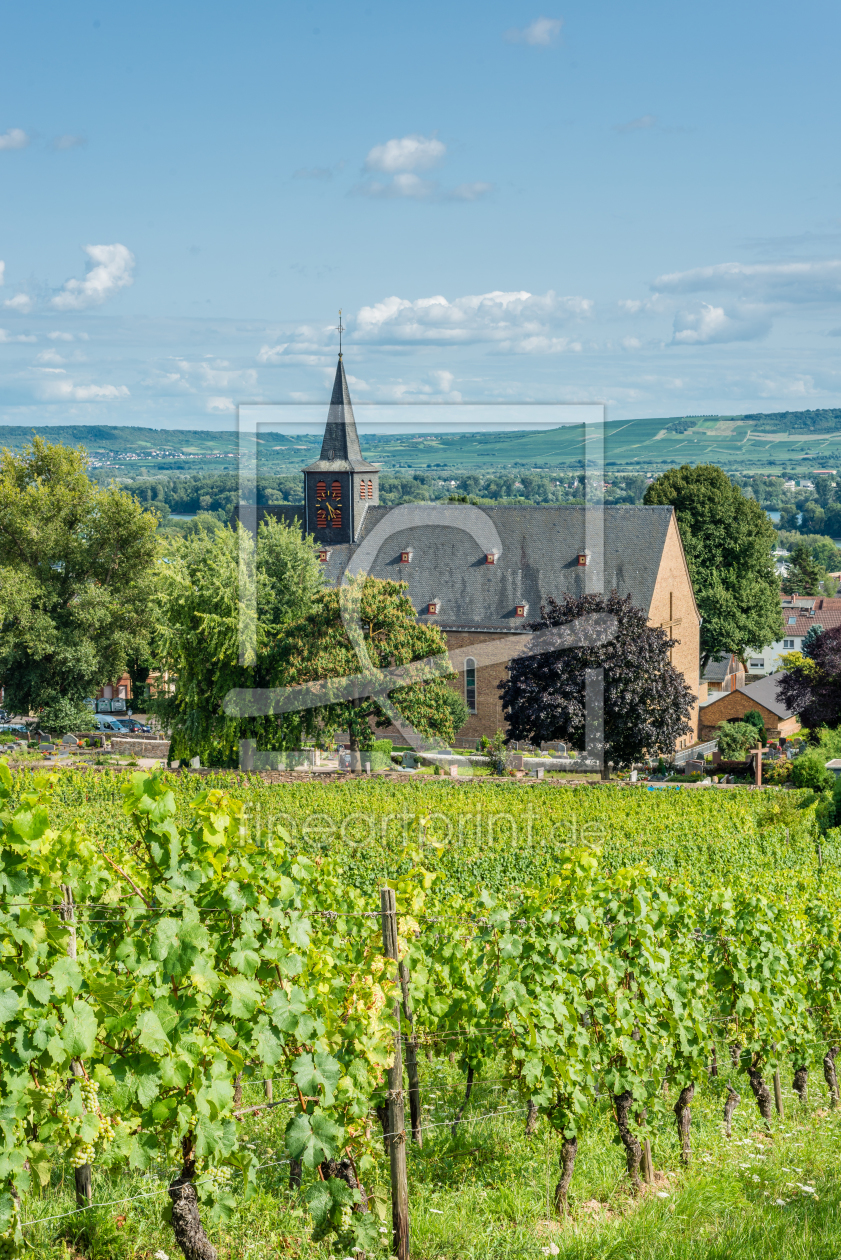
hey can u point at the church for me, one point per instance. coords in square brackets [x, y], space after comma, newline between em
[481, 574]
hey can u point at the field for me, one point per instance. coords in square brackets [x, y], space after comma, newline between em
[573, 946]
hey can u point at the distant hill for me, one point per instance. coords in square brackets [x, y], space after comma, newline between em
[736, 442]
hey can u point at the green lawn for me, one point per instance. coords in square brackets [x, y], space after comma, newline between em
[484, 1194]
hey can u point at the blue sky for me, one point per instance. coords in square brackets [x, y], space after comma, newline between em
[598, 201]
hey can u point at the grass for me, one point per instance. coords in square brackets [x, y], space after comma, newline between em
[483, 1195]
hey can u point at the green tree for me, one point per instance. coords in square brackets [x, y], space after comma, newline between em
[754, 718]
[203, 624]
[727, 539]
[77, 576]
[804, 573]
[320, 648]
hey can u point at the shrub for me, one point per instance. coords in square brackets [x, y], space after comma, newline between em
[754, 718]
[735, 738]
[809, 771]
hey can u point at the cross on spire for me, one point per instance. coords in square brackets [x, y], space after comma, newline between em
[340, 331]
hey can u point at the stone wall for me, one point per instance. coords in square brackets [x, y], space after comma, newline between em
[129, 747]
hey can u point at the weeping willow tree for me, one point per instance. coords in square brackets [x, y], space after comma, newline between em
[225, 605]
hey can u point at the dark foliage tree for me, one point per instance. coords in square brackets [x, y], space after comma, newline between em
[754, 718]
[728, 540]
[804, 573]
[647, 702]
[812, 688]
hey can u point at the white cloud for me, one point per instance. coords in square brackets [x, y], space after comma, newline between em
[14, 138]
[403, 185]
[49, 356]
[410, 153]
[637, 124]
[710, 324]
[470, 192]
[57, 388]
[6, 336]
[111, 270]
[20, 302]
[2, 272]
[214, 374]
[66, 336]
[793, 282]
[540, 33]
[225, 405]
[62, 143]
[519, 322]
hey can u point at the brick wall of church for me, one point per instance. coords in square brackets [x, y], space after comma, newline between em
[673, 601]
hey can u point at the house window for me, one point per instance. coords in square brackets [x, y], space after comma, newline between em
[321, 489]
[470, 684]
[323, 556]
[583, 557]
[337, 518]
[432, 608]
[757, 664]
[520, 610]
[321, 518]
[121, 692]
[792, 621]
[788, 643]
[490, 557]
[405, 557]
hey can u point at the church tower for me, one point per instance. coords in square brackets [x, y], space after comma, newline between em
[341, 485]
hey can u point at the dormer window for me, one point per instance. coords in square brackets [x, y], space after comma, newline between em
[406, 557]
[520, 610]
[433, 608]
[490, 557]
[324, 555]
[583, 559]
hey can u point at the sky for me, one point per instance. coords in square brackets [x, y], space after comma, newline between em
[597, 202]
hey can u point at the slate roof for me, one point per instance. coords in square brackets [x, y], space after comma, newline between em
[763, 692]
[538, 557]
[340, 449]
[719, 668]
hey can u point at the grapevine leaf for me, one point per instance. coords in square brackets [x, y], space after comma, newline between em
[245, 996]
[66, 974]
[152, 1036]
[80, 1027]
[312, 1138]
[315, 1074]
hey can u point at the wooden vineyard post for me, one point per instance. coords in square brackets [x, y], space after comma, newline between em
[648, 1162]
[396, 1118]
[757, 766]
[81, 1175]
[412, 1059]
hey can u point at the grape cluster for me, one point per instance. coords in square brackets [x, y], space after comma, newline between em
[11, 1241]
[81, 1153]
[213, 1179]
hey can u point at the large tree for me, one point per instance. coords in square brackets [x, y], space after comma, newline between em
[379, 623]
[209, 641]
[728, 540]
[76, 581]
[811, 684]
[803, 573]
[647, 702]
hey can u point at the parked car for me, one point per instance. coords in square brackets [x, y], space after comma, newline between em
[18, 729]
[133, 726]
[108, 725]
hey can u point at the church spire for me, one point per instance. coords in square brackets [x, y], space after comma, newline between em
[341, 441]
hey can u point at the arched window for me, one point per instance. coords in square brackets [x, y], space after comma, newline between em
[470, 684]
[362, 489]
[370, 489]
[337, 518]
[321, 518]
[321, 489]
[336, 489]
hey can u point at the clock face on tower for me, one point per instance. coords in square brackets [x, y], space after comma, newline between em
[328, 500]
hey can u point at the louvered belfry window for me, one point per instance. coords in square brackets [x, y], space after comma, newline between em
[321, 489]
